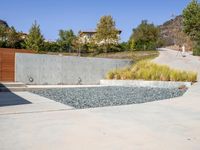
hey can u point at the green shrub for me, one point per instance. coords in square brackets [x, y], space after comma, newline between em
[145, 37]
[196, 49]
[147, 70]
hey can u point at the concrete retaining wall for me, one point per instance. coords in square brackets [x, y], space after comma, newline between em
[53, 69]
[142, 83]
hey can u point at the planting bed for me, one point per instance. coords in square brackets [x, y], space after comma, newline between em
[89, 97]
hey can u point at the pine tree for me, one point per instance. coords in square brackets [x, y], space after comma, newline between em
[35, 40]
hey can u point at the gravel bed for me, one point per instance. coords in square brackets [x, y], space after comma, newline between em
[88, 97]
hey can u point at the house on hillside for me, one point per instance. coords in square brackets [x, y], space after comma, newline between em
[23, 35]
[89, 36]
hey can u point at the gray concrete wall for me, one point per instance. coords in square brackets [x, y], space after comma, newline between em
[53, 69]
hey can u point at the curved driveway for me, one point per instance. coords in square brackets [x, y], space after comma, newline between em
[170, 57]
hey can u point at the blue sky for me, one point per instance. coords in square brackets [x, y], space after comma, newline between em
[77, 15]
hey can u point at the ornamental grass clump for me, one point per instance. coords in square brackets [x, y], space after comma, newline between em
[146, 70]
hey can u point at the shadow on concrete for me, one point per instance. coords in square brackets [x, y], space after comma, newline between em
[7, 98]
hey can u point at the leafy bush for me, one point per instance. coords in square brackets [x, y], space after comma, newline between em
[66, 39]
[51, 47]
[124, 46]
[145, 37]
[196, 49]
[107, 48]
[147, 70]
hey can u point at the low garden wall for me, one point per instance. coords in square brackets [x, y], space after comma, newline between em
[142, 83]
[54, 69]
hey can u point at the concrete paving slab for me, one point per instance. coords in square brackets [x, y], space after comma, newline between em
[147, 126]
[34, 108]
[26, 102]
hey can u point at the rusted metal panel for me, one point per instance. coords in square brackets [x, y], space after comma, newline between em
[7, 63]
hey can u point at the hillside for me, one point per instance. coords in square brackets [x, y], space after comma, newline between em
[171, 32]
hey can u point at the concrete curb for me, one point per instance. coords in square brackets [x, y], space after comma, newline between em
[142, 83]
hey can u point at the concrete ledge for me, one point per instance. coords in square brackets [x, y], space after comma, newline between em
[142, 83]
[36, 87]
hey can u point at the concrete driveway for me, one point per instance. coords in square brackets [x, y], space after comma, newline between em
[170, 57]
[45, 124]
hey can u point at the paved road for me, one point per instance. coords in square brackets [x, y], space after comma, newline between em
[44, 124]
[170, 57]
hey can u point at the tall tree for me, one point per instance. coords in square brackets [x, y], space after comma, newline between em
[13, 38]
[107, 33]
[191, 23]
[65, 41]
[191, 20]
[145, 36]
[34, 40]
[3, 35]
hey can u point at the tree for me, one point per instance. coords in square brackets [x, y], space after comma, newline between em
[3, 35]
[124, 46]
[131, 44]
[191, 23]
[145, 36]
[191, 20]
[51, 47]
[13, 38]
[4, 23]
[107, 33]
[34, 40]
[9, 37]
[65, 41]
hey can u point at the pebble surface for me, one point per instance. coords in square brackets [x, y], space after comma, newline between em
[89, 97]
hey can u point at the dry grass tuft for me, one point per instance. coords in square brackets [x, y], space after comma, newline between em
[147, 70]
